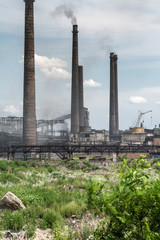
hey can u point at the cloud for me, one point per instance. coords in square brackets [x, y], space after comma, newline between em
[11, 109]
[91, 83]
[87, 83]
[158, 102]
[136, 99]
[52, 68]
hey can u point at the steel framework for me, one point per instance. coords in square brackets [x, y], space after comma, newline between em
[67, 148]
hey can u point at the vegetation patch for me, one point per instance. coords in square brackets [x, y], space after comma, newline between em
[61, 195]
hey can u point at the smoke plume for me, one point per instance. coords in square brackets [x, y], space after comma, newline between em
[67, 11]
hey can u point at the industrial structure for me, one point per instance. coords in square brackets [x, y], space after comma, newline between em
[113, 117]
[79, 114]
[81, 98]
[11, 130]
[27, 135]
[29, 105]
[75, 85]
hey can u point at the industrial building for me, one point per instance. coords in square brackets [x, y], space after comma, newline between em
[27, 130]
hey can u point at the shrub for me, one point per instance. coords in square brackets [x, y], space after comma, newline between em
[58, 235]
[51, 219]
[30, 230]
[12, 221]
[155, 160]
[132, 206]
[3, 166]
[72, 208]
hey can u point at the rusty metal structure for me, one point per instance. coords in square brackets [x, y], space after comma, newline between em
[75, 90]
[67, 148]
[113, 116]
[29, 104]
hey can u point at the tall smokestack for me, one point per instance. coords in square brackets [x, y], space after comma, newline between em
[113, 119]
[29, 111]
[116, 93]
[75, 90]
[81, 99]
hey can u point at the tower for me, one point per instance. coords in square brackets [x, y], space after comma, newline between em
[113, 117]
[29, 104]
[81, 99]
[75, 85]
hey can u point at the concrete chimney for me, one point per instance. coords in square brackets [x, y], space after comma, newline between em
[75, 84]
[116, 93]
[29, 111]
[81, 98]
[113, 119]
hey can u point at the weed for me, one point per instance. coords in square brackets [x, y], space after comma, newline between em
[51, 219]
[155, 160]
[72, 208]
[30, 230]
[12, 221]
[8, 177]
[88, 166]
[85, 233]
[121, 159]
[58, 235]
[3, 166]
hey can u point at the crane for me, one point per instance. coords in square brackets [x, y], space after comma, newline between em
[140, 116]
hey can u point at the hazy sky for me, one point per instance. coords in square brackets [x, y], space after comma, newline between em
[129, 28]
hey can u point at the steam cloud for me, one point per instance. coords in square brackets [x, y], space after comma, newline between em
[67, 11]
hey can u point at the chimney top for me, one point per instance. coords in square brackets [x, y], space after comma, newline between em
[111, 54]
[29, 1]
[75, 28]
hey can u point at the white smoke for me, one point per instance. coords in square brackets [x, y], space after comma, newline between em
[67, 11]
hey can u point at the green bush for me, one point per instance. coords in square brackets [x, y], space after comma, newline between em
[30, 230]
[72, 208]
[51, 219]
[58, 235]
[12, 221]
[3, 166]
[132, 207]
[155, 160]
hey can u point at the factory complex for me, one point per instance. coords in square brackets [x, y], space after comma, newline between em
[28, 131]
